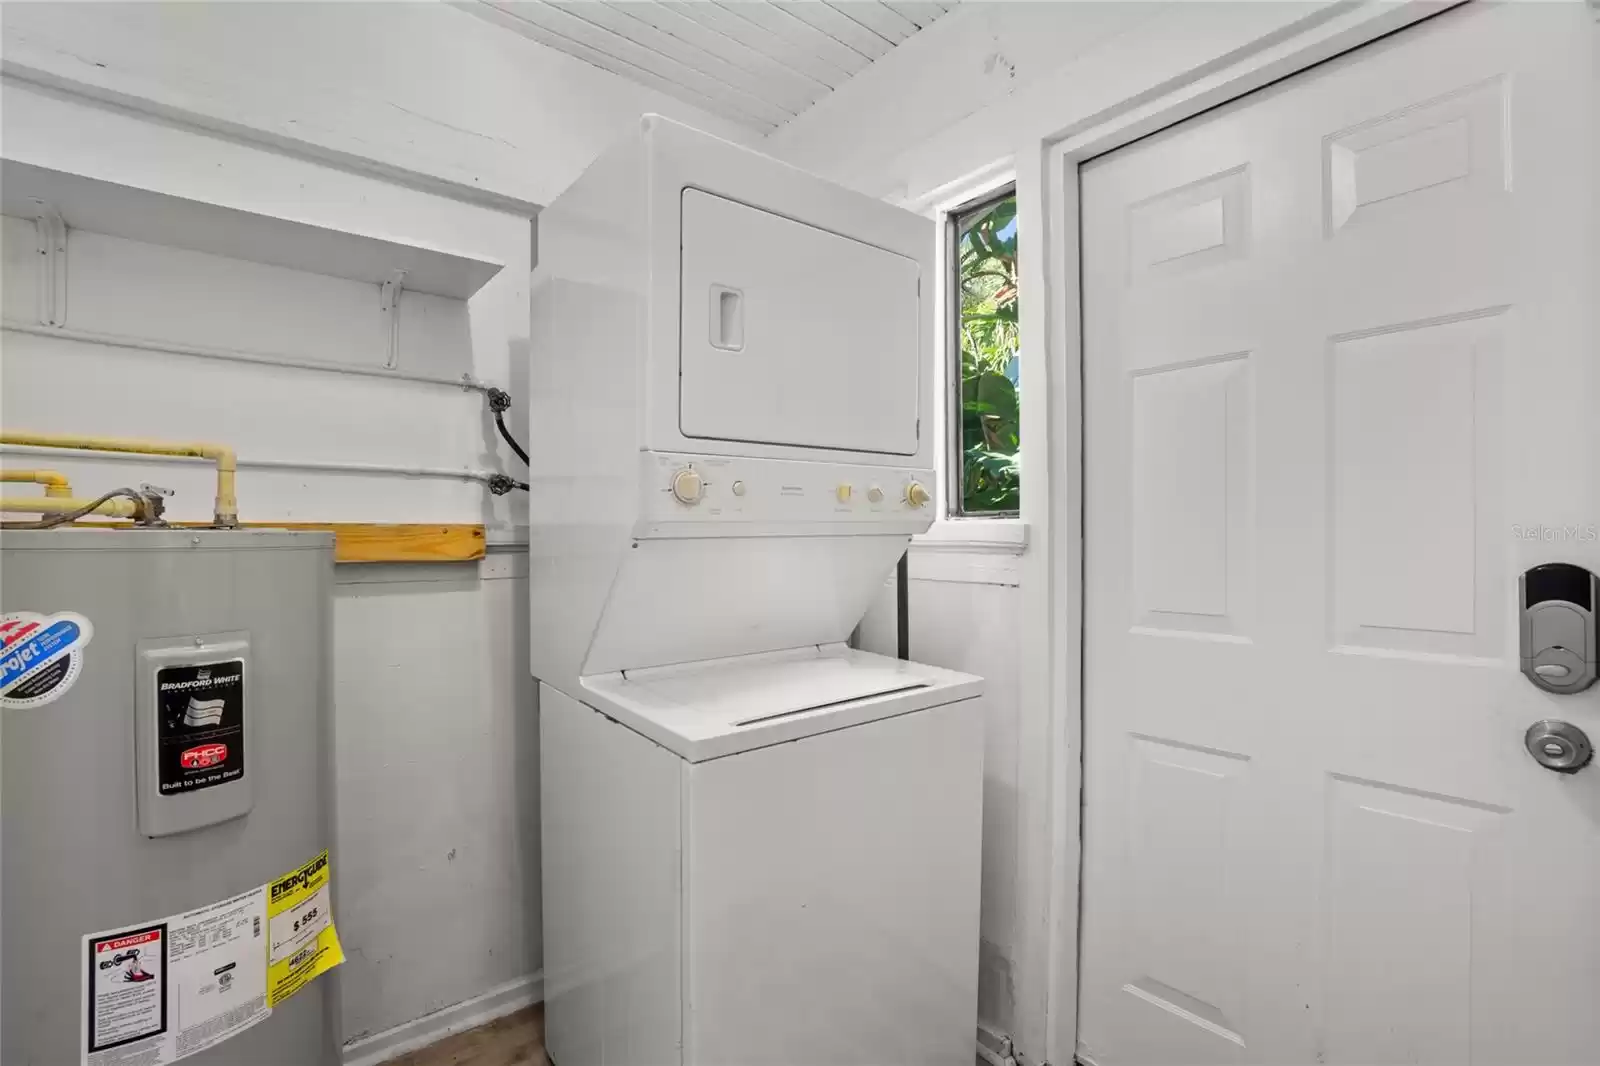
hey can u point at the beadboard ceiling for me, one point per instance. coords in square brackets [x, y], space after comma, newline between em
[756, 62]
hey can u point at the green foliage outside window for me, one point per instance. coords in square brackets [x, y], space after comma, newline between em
[990, 431]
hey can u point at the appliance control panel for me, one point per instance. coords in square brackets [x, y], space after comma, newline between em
[680, 491]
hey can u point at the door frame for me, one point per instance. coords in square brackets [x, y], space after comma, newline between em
[1048, 202]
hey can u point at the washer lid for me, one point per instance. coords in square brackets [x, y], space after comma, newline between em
[719, 707]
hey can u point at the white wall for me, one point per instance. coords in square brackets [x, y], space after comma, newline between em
[438, 787]
[964, 612]
[972, 622]
[942, 104]
[991, 77]
[419, 91]
[421, 124]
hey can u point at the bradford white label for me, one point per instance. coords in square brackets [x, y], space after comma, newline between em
[200, 710]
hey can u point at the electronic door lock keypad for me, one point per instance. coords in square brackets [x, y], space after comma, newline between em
[1558, 603]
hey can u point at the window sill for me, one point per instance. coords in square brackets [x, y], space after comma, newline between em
[1003, 535]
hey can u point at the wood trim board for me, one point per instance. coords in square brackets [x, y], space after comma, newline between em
[412, 542]
[374, 542]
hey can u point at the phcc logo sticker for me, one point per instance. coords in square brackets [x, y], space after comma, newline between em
[41, 656]
[204, 756]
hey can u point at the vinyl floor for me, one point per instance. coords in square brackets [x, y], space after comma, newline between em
[515, 1040]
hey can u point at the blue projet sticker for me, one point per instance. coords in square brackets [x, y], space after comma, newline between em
[41, 656]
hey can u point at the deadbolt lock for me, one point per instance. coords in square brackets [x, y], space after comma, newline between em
[1559, 746]
[1559, 646]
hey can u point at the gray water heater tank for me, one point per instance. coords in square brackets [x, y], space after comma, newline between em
[165, 769]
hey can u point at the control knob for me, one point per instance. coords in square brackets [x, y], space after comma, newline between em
[688, 486]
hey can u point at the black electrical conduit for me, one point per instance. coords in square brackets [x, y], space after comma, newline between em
[52, 521]
[902, 608]
[499, 403]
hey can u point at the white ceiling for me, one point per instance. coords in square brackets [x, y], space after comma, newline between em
[757, 62]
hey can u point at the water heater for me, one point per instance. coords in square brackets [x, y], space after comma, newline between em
[164, 874]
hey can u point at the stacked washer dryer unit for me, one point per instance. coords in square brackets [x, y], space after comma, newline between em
[760, 846]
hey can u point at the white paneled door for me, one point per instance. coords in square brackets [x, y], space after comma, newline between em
[1342, 386]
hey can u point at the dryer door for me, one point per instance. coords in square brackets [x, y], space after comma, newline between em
[792, 335]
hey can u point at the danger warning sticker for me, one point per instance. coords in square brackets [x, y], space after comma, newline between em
[41, 656]
[127, 989]
[162, 992]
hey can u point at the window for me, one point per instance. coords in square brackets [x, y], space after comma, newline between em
[985, 479]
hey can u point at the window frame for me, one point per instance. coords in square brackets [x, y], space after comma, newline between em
[953, 444]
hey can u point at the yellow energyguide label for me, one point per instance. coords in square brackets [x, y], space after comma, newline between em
[302, 940]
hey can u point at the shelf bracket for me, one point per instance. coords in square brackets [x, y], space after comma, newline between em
[51, 243]
[389, 307]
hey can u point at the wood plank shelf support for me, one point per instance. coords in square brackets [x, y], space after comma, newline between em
[418, 542]
[371, 542]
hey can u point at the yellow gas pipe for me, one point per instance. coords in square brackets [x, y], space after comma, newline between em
[55, 483]
[227, 504]
[118, 508]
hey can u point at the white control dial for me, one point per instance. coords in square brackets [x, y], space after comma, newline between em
[916, 495]
[687, 486]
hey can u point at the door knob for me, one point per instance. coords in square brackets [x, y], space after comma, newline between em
[1559, 746]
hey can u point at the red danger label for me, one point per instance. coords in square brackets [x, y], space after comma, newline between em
[128, 941]
[203, 756]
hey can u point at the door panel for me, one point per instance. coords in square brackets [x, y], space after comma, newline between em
[1185, 833]
[1191, 507]
[794, 335]
[1340, 384]
[1414, 562]
[1398, 912]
